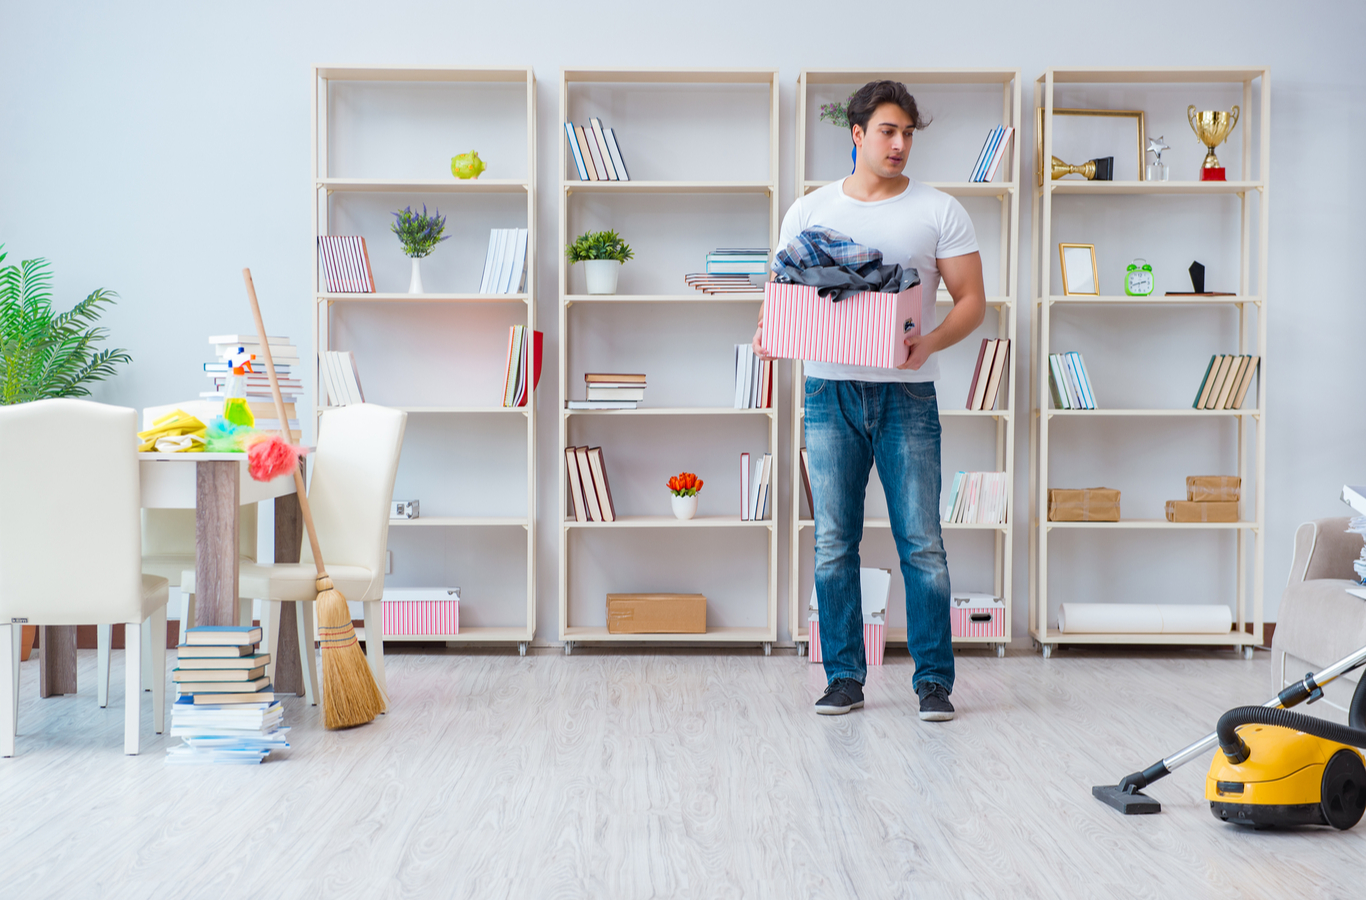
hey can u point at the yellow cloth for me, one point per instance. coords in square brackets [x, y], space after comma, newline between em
[176, 432]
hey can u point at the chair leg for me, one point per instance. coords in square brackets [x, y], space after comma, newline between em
[307, 654]
[147, 657]
[270, 626]
[188, 622]
[374, 643]
[132, 693]
[9, 697]
[104, 639]
[157, 654]
[246, 609]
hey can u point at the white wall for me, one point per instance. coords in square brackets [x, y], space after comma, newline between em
[156, 148]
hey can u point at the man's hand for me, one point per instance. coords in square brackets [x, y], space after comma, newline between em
[759, 330]
[922, 345]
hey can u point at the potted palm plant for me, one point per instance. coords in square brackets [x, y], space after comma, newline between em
[44, 353]
[602, 253]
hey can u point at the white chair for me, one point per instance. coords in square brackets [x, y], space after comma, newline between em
[70, 543]
[351, 485]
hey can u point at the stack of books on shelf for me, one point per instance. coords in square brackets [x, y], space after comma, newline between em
[722, 284]
[992, 358]
[346, 264]
[505, 262]
[523, 366]
[738, 261]
[1069, 382]
[753, 379]
[226, 713]
[1226, 381]
[754, 491]
[993, 151]
[288, 369]
[341, 378]
[596, 154]
[611, 390]
[590, 494]
[977, 498]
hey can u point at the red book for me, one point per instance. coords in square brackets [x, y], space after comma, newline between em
[976, 372]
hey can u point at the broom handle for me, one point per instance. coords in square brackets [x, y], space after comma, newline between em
[299, 486]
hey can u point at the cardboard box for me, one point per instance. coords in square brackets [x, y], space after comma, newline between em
[656, 614]
[1196, 511]
[417, 611]
[977, 615]
[875, 585]
[1213, 488]
[1083, 505]
[866, 329]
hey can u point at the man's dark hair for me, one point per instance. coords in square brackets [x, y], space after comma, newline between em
[868, 98]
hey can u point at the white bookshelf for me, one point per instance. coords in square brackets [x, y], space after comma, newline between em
[814, 170]
[707, 186]
[1049, 436]
[431, 114]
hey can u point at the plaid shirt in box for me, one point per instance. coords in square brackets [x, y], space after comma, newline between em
[838, 266]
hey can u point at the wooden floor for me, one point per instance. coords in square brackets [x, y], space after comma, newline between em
[658, 774]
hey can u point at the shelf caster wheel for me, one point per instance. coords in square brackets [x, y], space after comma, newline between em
[521, 648]
[1247, 651]
[1047, 651]
[768, 648]
[1033, 644]
[568, 648]
[1000, 651]
[801, 648]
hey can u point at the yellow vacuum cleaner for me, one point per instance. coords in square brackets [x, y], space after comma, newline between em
[1274, 768]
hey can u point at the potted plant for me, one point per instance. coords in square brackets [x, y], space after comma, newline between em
[684, 487]
[43, 353]
[837, 114]
[601, 252]
[419, 233]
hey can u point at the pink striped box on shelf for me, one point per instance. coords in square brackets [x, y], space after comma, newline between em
[866, 329]
[875, 585]
[976, 615]
[421, 611]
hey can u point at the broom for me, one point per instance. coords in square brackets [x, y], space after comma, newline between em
[350, 694]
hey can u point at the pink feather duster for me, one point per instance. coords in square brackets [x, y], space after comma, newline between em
[271, 456]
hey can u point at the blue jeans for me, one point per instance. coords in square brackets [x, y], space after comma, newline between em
[849, 426]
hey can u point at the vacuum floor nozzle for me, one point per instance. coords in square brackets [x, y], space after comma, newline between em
[1128, 801]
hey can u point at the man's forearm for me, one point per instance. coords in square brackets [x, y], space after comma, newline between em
[967, 313]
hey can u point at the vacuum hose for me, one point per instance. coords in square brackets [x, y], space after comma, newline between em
[1354, 734]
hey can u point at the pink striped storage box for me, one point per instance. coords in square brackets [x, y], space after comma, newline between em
[866, 329]
[419, 611]
[977, 615]
[874, 642]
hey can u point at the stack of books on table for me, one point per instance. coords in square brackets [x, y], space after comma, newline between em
[590, 494]
[753, 379]
[754, 491]
[977, 498]
[1069, 382]
[288, 368]
[610, 390]
[505, 263]
[1226, 381]
[595, 152]
[226, 713]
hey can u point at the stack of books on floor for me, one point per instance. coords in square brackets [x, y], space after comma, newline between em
[987, 378]
[523, 370]
[993, 151]
[1226, 381]
[346, 264]
[595, 152]
[977, 498]
[590, 494]
[753, 379]
[226, 713]
[505, 262]
[341, 378]
[288, 368]
[1069, 382]
[610, 390]
[723, 284]
[754, 491]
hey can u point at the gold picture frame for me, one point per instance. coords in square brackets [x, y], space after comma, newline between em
[1076, 285]
[1140, 145]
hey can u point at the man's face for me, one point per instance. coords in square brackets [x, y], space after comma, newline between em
[883, 147]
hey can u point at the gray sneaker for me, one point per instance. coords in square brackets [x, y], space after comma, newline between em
[841, 695]
[934, 702]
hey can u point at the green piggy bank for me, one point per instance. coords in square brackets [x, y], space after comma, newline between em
[467, 165]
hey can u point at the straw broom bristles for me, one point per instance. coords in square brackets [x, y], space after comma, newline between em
[350, 694]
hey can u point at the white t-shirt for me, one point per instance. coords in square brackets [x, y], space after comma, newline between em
[914, 228]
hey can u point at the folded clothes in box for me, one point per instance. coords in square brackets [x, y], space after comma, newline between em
[1083, 505]
[865, 329]
[1198, 511]
[1213, 488]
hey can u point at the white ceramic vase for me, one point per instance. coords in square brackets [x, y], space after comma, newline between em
[684, 507]
[415, 283]
[602, 275]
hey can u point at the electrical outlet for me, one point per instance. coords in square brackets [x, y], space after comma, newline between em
[389, 562]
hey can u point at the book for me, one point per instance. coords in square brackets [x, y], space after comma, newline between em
[525, 353]
[179, 675]
[617, 162]
[1246, 382]
[766, 384]
[998, 154]
[253, 661]
[594, 153]
[221, 687]
[600, 404]
[984, 156]
[806, 484]
[1083, 380]
[613, 377]
[574, 152]
[1355, 497]
[953, 497]
[590, 490]
[577, 503]
[1056, 386]
[581, 138]
[756, 485]
[213, 651]
[737, 266]
[346, 267]
[272, 340]
[615, 393]
[232, 635]
[1203, 390]
[346, 362]
[998, 368]
[261, 696]
[516, 334]
[598, 464]
[596, 124]
[981, 374]
[1235, 376]
[765, 476]
[744, 487]
[518, 280]
[491, 259]
[1217, 381]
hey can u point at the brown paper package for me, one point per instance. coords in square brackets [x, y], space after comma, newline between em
[1213, 488]
[1083, 505]
[656, 614]
[1197, 511]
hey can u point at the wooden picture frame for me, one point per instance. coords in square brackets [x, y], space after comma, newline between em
[1041, 167]
[1081, 279]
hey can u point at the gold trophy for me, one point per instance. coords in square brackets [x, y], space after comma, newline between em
[1101, 169]
[1212, 127]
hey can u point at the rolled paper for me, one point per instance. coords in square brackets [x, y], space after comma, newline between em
[1144, 618]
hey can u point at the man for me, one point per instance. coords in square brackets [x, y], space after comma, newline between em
[860, 415]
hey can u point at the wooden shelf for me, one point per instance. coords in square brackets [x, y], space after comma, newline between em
[1153, 187]
[475, 635]
[1232, 639]
[1158, 75]
[673, 411]
[669, 76]
[739, 634]
[694, 297]
[1151, 413]
[671, 522]
[1162, 524]
[407, 186]
[423, 298]
[460, 522]
[423, 73]
[955, 413]
[465, 410]
[912, 76]
[1152, 300]
[952, 188]
[671, 187]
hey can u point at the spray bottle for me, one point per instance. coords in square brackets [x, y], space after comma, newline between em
[235, 408]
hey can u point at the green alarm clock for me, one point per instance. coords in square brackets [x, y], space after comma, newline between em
[1138, 279]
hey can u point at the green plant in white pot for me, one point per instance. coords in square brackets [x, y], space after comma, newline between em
[602, 253]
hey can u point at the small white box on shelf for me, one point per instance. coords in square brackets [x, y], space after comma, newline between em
[415, 611]
[976, 615]
[403, 509]
[875, 586]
